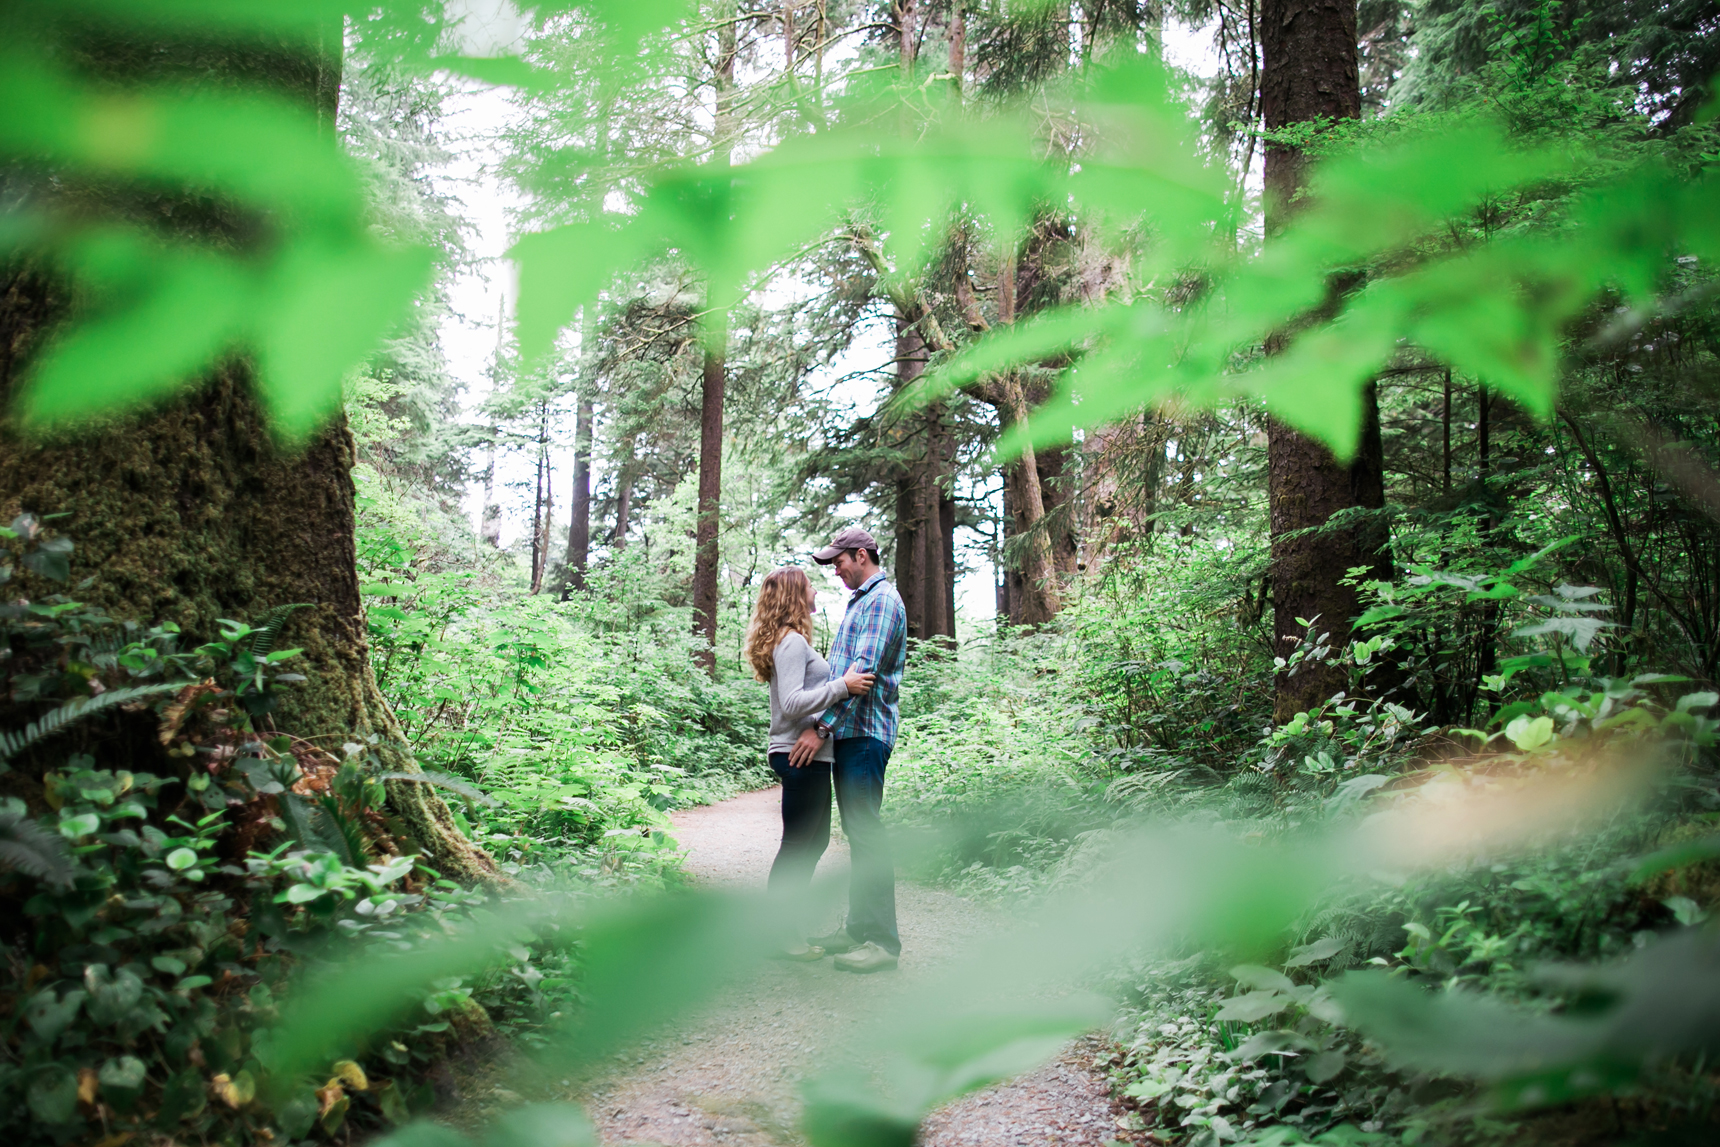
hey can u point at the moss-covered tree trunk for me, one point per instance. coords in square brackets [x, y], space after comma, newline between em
[1309, 73]
[194, 512]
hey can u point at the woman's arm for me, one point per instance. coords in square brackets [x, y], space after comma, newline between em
[799, 701]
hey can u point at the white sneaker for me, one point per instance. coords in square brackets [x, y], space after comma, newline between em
[868, 957]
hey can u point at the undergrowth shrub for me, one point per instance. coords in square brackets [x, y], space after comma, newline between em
[580, 737]
[151, 921]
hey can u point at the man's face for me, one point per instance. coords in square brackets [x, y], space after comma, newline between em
[847, 566]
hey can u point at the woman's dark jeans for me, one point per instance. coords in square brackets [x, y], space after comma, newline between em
[859, 786]
[805, 824]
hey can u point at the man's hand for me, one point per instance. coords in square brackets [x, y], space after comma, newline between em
[805, 748]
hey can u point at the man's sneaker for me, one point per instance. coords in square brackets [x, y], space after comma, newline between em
[868, 957]
[836, 943]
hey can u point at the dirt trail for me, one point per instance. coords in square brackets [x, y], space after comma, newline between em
[731, 1076]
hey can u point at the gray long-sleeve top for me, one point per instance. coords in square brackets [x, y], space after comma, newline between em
[801, 688]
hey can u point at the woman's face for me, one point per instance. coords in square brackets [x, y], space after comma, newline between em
[811, 599]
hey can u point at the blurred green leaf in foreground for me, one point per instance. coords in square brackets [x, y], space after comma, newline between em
[1020, 995]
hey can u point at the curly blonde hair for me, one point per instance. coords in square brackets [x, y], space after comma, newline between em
[781, 609]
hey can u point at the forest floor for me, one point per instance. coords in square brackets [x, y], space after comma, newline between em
[731, 1075]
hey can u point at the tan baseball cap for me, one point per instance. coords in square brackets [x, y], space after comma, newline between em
[847, 538]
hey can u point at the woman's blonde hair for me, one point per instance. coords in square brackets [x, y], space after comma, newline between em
[781, 609]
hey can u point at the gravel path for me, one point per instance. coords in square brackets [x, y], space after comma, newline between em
[732, 1075]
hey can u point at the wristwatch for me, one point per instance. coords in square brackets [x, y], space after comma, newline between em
[823, 732]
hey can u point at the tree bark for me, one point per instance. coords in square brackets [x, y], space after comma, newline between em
[1309, 72]
[706, 551]
[905, 16]
[958, 48]
[543, 503]
[925, 560]
[193, 512]
[579, 500]
[624, 478]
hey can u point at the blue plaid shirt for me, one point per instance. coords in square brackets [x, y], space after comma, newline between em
[874, 632]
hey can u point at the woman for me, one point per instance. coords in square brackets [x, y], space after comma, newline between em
[779, 645]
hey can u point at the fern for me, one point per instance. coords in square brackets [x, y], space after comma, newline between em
[11, 744]
[27, 847]
[443, 781]
[319, 825]
[269, 628]
[339, 825]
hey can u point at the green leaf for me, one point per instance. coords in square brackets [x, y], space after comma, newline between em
[542, 1125]
[1265, 979]
[180, 859]
[1252, 1007]
[328, 303]
[1325, 1067]
[53, 1095]
[421, 1134]
[1680, 855]
[83, 824]
[48, 1016]
[1529, 733]
[1317, 952]
[125, 1072]
[190, 309]
[508, 71]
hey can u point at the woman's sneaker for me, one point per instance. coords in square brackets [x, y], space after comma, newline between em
[868, 957]
[836, 943]
[803, 952]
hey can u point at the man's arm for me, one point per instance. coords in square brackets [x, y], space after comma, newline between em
[871, 633]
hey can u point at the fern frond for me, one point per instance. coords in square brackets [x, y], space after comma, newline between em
[11, 744]
[443, 781]
[341, 832]
[31, 849]
[269, 628]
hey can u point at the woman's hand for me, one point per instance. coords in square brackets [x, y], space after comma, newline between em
[859, 683]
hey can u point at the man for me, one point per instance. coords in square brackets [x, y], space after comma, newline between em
[874, 636]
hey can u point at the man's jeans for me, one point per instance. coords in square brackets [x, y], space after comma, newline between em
[859, 775]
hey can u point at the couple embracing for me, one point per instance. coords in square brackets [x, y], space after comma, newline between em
[829, 730]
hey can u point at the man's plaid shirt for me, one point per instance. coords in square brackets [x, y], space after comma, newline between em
[874, 632]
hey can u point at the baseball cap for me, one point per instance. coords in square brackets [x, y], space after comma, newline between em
[847, 538]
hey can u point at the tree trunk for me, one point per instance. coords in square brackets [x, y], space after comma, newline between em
[193, 512]
[925, 566]
[1039, 600]
[1445, 441]
[958, 48]
[1308, 71]
[579, 502]
[543, 504]
[490, 515]
[905, 16]
[624, 478]
[706, 551]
